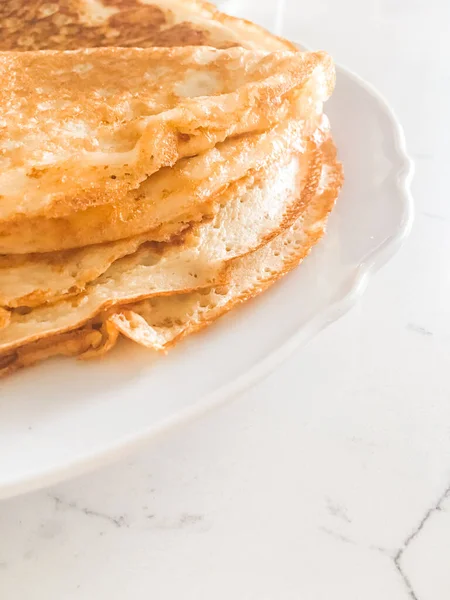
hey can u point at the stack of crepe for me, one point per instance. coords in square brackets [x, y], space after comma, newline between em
[146, 191]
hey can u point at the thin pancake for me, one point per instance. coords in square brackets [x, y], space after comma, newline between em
[161, 322]
[171, 197]
[241, 225]
[31, 280]
[70, 24]
[83, 128]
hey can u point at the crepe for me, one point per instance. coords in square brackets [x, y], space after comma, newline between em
[70, 24]
[261, 206]
[83, 128]
[31, 280]
[158, 323]
[74, 343]
[167, 202]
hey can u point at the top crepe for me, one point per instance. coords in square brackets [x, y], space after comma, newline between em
[70, 24]
[83, 128]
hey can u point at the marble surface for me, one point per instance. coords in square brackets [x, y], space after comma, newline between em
[330, 479]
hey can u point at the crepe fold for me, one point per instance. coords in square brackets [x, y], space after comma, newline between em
[166, 203]
[159, 322]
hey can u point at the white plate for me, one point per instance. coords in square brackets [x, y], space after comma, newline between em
[62, 418]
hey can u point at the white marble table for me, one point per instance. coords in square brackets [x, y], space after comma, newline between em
[331, 479]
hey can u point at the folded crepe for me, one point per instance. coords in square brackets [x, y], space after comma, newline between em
[166, 203]
[259, 208]
[160, 322]
[31, 280]
[223, 174]
[83, 128]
